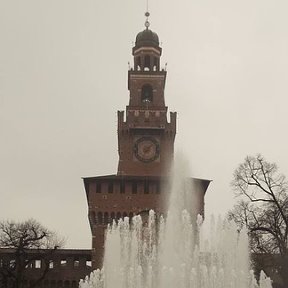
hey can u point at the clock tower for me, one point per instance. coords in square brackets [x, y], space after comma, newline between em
[145, 146]
[146, 138]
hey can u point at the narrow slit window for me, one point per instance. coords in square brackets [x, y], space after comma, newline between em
[100, 217]
[146, 187]
[98, 187]
[134, 187]
[106, 217]
[158, 188]
[122, 187]
[110, 187]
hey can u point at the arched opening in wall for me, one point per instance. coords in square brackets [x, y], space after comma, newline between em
[106, 217]
[125, 215]
[130, 217]
[88, 263]
[38, 264]
[138, 63]
[147, 93]
[98, 187]
[156, 64]
[122, 187]
[92, 217]
[134, 187]
[158, 188]
[144, 216]
[76, 263]
[112, 216]
[110, 187]
[147, 63]
[100, 218]
[118, 215]
[146, 187]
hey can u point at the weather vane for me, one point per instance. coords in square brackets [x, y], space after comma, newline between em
[147, 14]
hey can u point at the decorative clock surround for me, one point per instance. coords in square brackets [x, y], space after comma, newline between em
[147, 149]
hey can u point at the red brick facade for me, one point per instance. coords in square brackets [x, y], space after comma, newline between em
[65, 267]
[145, 146]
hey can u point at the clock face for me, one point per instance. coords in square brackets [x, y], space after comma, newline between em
[146, 149]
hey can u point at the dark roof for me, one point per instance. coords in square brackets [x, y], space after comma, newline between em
[147, 38]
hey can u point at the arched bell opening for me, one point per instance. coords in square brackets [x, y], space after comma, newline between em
[137, 63]
[147, 63]
[156, 64]
[147, 93]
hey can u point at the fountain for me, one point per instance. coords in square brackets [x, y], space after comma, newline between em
[177, 252]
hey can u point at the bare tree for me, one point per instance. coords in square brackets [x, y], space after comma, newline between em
[263, 209]
[29, 241]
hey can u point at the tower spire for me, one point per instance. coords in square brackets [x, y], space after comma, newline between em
[147, 14]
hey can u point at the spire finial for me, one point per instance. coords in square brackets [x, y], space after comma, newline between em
[147, 14]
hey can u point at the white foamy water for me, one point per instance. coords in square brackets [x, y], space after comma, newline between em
[176, 252]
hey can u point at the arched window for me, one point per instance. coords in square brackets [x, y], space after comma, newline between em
[138, 62]
[110, 187]
[146, 187]
[112, 216]
[106, 217]
[100, 217]
[147, 62]
[92, 217]
[118, 215]
[122, 187]
[156, 64]
[147, 93]
[130, 217]
[134, 187]
[124, 215]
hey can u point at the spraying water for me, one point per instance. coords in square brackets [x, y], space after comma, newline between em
[181, 251]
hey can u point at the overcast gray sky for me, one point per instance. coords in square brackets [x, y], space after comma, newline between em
[63, 76]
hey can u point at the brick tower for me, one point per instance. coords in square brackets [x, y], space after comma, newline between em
[146, 139]
[145, 146]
